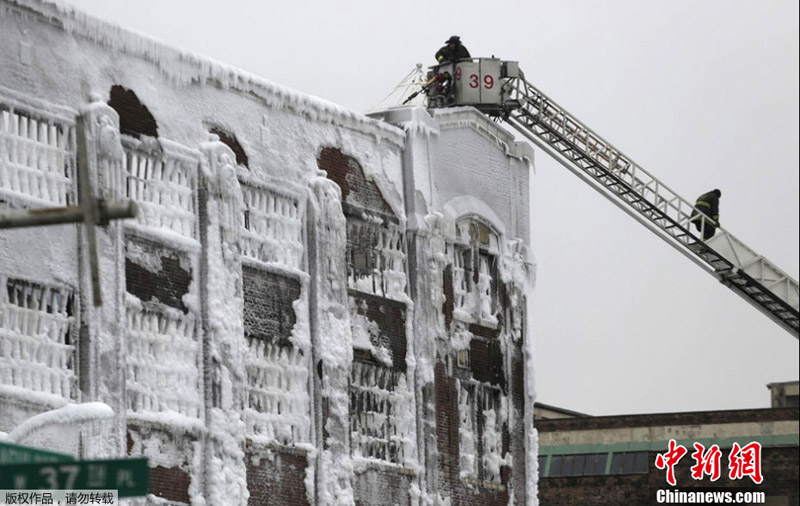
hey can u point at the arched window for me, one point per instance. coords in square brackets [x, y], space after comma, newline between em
[134, 117]
[475, 253]
[230, 140]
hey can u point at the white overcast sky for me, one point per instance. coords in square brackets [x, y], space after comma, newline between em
[702, 93]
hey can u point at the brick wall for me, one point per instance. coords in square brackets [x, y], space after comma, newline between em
[486, 359]
[277, 478]
[390, 316]
[446, 428]
[662, 419]
[461, 492]
[778, 464]
[779, 467]
[357, 190]
[518, 434]
[271, 135]
[170, 483]
[168, 285]
[382, 487]
[166, 479]
[449, 297]
[268, 311]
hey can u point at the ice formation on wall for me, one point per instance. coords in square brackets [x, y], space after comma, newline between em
[188, 386]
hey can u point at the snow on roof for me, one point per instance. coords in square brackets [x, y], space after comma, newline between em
[185, 67]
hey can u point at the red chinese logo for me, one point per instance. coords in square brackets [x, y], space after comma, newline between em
[706, 462]
[742, 461]
[669, 459]
[745, 461]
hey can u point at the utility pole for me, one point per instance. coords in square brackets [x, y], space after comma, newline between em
[90, 212]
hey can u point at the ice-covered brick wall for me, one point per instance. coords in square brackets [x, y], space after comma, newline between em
[470, 214]
[277, 479]
[485, 163]
[268, 311]
[269, 333]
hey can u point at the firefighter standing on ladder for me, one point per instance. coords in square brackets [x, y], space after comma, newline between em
[708, 203]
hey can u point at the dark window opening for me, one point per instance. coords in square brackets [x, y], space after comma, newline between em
[629, 463]
[134, 117]
[578, 468]
[542, 464]
[555, 465]
[566, 467]
[616, 463]
[593, 464]
[232, 142]
[640, 465]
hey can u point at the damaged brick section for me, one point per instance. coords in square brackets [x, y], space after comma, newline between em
[446, 428]
[168, 285]
[449, 297]
[390, 316]
[358, 193]
[277, 480]
[268, 305]
[170, 483]
[384, 487]
[486, 358]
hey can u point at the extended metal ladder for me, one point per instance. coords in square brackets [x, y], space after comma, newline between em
[650, 202]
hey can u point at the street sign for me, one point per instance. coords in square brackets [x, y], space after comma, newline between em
[127, 476]
[16, 454]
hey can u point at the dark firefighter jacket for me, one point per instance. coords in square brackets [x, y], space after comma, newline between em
[709, 204]
[446, 53]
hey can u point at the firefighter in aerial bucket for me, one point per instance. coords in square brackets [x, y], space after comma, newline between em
[708, 203]
[451, 52]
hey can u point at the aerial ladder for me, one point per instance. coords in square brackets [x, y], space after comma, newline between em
[499, 89]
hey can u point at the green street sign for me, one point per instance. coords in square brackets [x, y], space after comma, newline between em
[127, 476]
[16, 454]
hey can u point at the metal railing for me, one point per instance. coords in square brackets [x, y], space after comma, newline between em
[272, 226]
[37, 155]
[163, 357]
[278, 404]
[37, 337]
[162, 179]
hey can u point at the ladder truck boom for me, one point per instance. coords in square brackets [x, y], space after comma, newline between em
[625, 183]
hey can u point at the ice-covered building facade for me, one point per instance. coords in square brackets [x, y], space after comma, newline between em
[312, 306]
